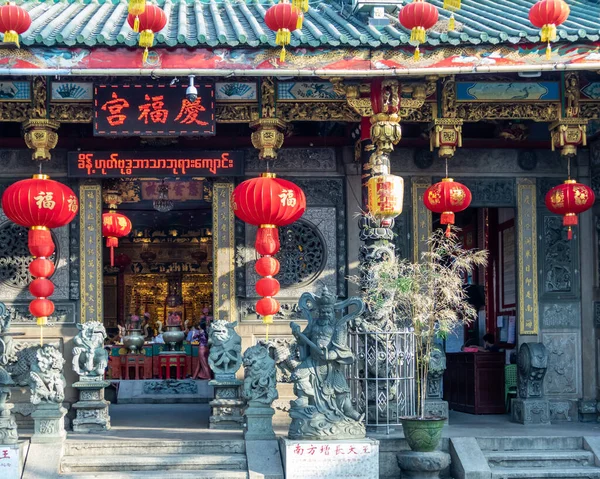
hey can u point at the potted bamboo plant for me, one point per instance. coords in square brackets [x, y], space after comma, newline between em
[431, 298]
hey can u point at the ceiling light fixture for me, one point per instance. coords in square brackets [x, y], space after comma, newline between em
[163, 203]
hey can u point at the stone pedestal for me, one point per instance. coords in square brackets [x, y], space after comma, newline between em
[530, 411]
[8, 425]
[226, 407]
[330, 459]
[92, 408]
[259, 422]
[12, 459]
[437, 408]
[49, 423]
[422, 465]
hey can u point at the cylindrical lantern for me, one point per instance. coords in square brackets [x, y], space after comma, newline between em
[447, 197]
[547, 15]
[114, 226]
[151, 21]
[14, 20]
[283, 19]
[385, 196]
[418, 17]
[568, 200]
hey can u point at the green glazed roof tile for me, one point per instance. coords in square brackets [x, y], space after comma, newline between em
[241, 23]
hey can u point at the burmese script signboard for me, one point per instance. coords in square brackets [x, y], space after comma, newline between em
[148, 164]
[153, 109]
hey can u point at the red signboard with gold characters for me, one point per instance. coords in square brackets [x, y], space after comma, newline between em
[153, 109]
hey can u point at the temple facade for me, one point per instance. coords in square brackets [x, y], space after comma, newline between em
[481, 105]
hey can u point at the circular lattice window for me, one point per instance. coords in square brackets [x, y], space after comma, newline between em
[15, 256]
[303, 254]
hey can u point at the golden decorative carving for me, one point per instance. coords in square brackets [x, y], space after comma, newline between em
[236, 113]
[15, 111]
[317, 111]
[446, 134]
[590, 110]
[40, 136]
[362, 106]
[40, 97]
[385, 131]
[267, 98]
[449, 98]
[472, 112]
[568, 134]
[424, 114]
[572, 95]
[268, 137]
[71, 112]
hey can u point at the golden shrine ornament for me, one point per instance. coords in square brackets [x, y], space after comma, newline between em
[385, 196]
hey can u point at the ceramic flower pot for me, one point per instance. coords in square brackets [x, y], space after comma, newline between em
[423, 435]
[173, 337]
[134, 341]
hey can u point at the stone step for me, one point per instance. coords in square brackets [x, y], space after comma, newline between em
[520, 443]
[152, 462]
[206, 474]
[540, 473]
[537, 458]
[162, 447]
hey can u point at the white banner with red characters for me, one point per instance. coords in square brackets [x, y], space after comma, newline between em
[11, 460]
[344, 459]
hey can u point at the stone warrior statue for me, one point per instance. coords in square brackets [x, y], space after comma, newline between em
[90, 359]
[324, 407]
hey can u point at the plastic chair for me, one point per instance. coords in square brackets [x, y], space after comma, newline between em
[510, 383]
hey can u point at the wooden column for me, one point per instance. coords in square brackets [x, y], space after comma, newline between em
[223, 253]
[90, 251]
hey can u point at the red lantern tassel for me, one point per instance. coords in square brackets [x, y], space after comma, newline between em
[267, 240]
[112, 243]
[40, 242]
[570, 219]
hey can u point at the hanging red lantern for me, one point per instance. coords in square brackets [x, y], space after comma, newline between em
[151, 21]
[122, 261]
[41, 308]
[114, 226]
[447, 197]
[40, 203]
[14, 21]
[418, 17]
[268, 202]
[41, 268]
[547, 15]
[41, 288]
[267, 266]
[283, 19]
[136, 8]
[568, 200]
[267, 308]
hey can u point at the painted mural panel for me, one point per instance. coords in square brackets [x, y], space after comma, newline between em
[15, 90]
[72, 91]
[317, 91]
[236, 91]
[507, 91]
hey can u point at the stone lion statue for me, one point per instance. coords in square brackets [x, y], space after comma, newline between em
[90, 359]
[225, 356]
[46, 377]
[260, 376]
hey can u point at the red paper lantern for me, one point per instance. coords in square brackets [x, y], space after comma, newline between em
[283, 19]
[14, 20]
[114, 226]
[568, 200]
[40, 203]
[267, 308]
[268, 286]
[41, 309]
[447, 197]
[122, 260]
[418, 17]
[41, 288]
[267, 266]
[151, 21]
[547, 15]
[41, 268]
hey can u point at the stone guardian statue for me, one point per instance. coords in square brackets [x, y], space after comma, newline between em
[324, 408]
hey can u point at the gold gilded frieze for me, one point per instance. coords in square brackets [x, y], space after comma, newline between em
[542, 112]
